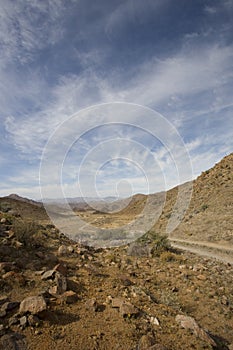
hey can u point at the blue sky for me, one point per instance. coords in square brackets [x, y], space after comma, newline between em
[60, 57]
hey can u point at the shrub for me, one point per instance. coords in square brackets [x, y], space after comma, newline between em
[25, 231]
[169, 256]
[160, 244]
[204, 207]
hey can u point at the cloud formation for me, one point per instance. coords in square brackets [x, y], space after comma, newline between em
[58, 58]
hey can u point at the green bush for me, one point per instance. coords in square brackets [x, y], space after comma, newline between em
[160, 244]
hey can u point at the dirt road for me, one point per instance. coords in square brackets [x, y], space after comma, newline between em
[217, 251]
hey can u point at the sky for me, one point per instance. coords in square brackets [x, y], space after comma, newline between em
[133, 61]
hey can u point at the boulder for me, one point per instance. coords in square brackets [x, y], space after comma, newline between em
[188, 322]
[33, 305]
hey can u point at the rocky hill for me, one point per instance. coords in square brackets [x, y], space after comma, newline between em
[57, 294]
[209, 216]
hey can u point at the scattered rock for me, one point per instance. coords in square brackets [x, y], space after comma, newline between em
[2, 313]
[125, 281]
[33, 321]
[13, 341]
[8, 306]
[23, 321]
[127, 309]
[117, 302]
[3, 299]
[188, 322]
[91, 304]
[154, 321]
[61, 283]
[201, 277]
[2, 330]
[69, 297]
[34, 305]
[14, 320]
[61, 268]
[62, 250]
[50, 274]
[146, 342]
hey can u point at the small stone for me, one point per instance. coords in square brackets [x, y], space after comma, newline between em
[188, 322]
[33, 321]
[13, 320]
[2, 313]
[8, 306]
[23, 321]
[13, 342]
[3, 220]
[61, 283]
[126, 281]
[53, 290]
[50, 274]
[62, 250]
[61, 268]
[154, 321]
[3, 299]
[91, 304]
[201, 277]
[146, 342]
[70, 249]
[127, 309]
[117, 302]
[34, 305]
[69, 297]
[2, 330]
[224, 300]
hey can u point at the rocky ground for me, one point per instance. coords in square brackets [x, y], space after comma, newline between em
[57, 294]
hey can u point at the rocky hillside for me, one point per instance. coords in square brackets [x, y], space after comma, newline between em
[57, 294]
[209, 216]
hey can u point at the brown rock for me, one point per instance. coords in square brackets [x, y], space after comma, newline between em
[50, 274]
[2, 330]
[69, 297]
[8, 306]
[3, 299]
[127, 309]
[23, 321]
[190, 323]
[33, 321]
[146, 342]
[61, 283]
[125, 281]
[201, 277]
[61, 268]
[117, 302]
[13, 342]
[34, 305]
[62, 250]
[91, 304]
